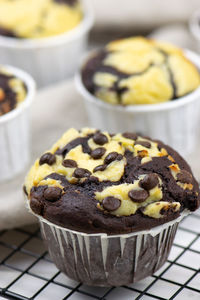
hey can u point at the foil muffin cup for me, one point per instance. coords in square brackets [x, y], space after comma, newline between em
[174, 122]
[109, 260]
[52, 59]
[15, 131]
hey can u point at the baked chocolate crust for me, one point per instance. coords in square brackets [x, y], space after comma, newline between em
[78, 208]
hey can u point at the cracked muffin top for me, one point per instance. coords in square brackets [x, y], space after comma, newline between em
[137, 70]
[92, 181]
[12, 91]
[38, 18]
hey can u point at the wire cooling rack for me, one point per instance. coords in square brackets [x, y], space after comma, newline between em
[26, 271]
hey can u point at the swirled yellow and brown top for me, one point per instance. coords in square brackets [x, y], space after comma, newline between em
[93, 181]
[137, 70]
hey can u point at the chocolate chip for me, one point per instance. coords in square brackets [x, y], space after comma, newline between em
[94, 179]
[80, 173]
[111, 157]
[98, 152]
[149, 181]
[96, 223]
[184, 177]
[129, 135]
[100, 138]
[69, 163]
[100, 168]
[52, 193]
[47, 158]
[38, 192]
[119, 157]
[36, 206]
[138, 195]
[111, 203]
[143, 143]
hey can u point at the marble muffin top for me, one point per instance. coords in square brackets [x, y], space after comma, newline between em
[137, 70]
[12, 91]
[38, 18]
[93, 181]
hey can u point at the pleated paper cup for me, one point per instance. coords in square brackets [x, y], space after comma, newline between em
[175, 122]
[51, 59]
[15, 131]
[106, 260]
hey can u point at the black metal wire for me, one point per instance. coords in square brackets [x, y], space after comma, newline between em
[8, 294]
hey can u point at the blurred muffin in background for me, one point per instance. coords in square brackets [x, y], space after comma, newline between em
[38, 18]
[17, 91]
[137, 70]
[12, 91]
[44, 37]
[146, 86]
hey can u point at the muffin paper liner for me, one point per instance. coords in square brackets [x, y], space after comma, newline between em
[15, 132]
[52, 59]
[175, 122]
[109, 260]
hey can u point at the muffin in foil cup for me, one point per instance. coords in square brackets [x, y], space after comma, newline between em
[109, 204]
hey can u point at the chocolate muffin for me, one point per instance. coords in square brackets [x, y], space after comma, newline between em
[137, 70]
[12, 91]
[38, 19]
[100, 195]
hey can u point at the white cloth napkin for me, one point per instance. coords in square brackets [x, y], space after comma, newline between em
[55, 110]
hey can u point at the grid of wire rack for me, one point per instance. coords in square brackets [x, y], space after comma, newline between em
[26, 270]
